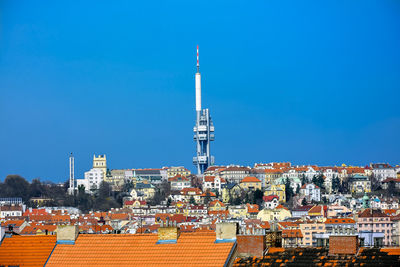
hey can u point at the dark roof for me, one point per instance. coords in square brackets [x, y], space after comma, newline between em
[142, 186]
[321, 257]
[367, 213]
[148, 172]
[229, 185]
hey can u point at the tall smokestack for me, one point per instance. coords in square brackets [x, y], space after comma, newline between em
[198, 85]
[71, 174]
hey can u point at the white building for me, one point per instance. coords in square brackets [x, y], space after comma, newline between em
[213, 183]
[93, 178]
[12, 210]
[383, 171]
[311, 192]
[179, 182]
[271, 202]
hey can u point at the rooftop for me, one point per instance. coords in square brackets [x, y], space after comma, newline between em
[141, 250]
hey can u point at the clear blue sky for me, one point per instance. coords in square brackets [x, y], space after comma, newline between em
[301, 81]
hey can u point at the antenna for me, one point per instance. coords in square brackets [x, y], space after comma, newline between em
[198, 65]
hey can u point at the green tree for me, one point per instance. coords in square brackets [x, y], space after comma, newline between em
[303, 179]
[288, 190]
[298, 189]
[192, 201]
[15, 186]
[319, 180]
[207, 198]
[335, 183]
[258, 197]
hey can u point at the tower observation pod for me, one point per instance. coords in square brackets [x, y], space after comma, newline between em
[203, 130]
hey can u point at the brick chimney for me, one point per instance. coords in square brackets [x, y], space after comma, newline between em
[67, 234]
[168, 233]
[251, 243]
[343, 244]
[226, 232]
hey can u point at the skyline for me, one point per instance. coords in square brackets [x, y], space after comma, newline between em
[282, 82]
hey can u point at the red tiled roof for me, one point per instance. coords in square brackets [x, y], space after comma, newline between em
[280, 206]
[315, 209]
[270, 198]
[367, 213]
[289, 224]
[141, 250]
[250, 179]
[210, 194]
[209, 179]
[178, 178]
[252, 208]
[291, 233]
[214, 202]
[340, 221]
[390, 212]
[26, 250]
[35, 212]
[15, 223]
[32, 230]
[185, 191]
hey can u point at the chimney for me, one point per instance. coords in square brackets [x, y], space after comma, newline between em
[67, 234]
[343, 244]
[251, 243]
[226, 232]
[168, 233]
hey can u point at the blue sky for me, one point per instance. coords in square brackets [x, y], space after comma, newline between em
[301, 81]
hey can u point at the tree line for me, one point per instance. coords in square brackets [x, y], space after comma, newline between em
[103, 199]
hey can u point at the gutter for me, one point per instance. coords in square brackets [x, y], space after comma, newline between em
[51, 253]
[230, 255]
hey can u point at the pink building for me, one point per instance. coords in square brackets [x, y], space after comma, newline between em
[375, 224]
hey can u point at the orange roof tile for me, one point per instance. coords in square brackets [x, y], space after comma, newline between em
[209, 179]
[26, 250]
[252, 208]
[280, 206]
[210, 194]
[340, 221]
[141, 250]
[214, 202]
[15, 223]
[291, 233]
[250, 179]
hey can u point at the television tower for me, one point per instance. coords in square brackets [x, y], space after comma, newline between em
[203, 130]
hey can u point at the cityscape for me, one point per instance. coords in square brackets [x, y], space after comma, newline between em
[265, 213]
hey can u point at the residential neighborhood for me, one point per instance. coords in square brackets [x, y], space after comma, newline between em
[297, 206]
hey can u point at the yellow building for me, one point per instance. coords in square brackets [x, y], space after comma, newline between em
[280, 213]
[239, 211]
[229, 191]
[250, 183]
[359, 184]
[100, 162]
[146, 191]
[271, 175]
[310, 228]
[276, 190]
[174, 171]
[216, 205]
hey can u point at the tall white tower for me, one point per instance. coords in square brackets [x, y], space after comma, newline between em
[203, 130]
[71, 188]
